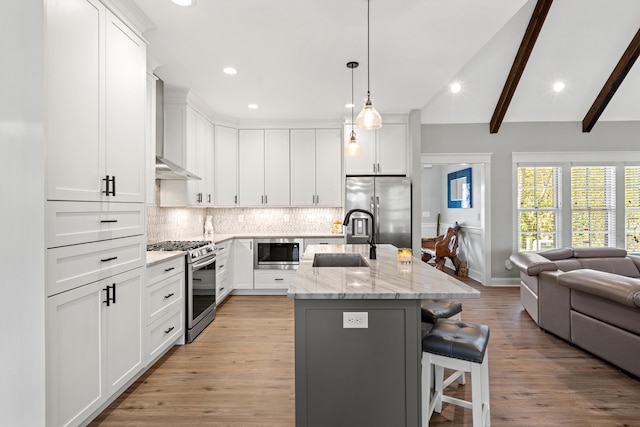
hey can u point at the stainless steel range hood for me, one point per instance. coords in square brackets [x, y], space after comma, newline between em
[166, 169]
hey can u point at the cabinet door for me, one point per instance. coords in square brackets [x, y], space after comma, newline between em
[150, 140]
[124, 321]
[125, 85]
[195, 156]
[242, 255]
[364, 163]
[303, 167]
[392, 149]
[226, 166]
[75, 354]
[209, 186]
[74, 110]
[251, 167]
[276, 168]
[328, 167]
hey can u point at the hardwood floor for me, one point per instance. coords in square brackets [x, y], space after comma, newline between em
[240, 372]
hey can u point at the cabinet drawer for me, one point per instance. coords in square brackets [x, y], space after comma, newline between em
[164, 332]
[71, 266]
[272, 279]
[165, 269]
[164, 295]
[70, 223]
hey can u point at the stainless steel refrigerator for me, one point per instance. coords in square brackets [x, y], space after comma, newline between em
[388, 198]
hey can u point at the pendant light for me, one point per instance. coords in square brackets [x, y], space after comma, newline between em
[368, 118]
[353, 148]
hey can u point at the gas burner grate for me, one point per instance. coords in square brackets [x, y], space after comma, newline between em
[177, 245]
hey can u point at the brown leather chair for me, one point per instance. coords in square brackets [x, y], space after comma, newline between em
[442, 247]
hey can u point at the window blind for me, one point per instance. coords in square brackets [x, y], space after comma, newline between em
[632, 208]
[593, 206]
[539, 216]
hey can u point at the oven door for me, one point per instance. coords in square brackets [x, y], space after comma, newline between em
[277, 254]
[201, 295]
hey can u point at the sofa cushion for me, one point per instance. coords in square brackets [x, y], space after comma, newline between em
[568, 264]
[622, 265]
[598, 252]
[605, 310]
[621, 289]
[556, 254]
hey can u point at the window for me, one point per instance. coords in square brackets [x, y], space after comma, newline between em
[538, 207]
[593, 206]
[632, 208]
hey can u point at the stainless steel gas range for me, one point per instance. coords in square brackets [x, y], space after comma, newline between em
[200, 282]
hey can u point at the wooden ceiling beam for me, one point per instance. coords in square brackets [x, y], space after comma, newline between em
[612, 84]
[519, 63]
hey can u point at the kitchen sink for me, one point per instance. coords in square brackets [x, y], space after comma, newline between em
[339, 260]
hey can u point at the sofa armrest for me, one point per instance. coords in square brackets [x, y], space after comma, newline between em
[620, 289]
[531, 263]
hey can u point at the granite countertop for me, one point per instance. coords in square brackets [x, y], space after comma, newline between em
[384, 279]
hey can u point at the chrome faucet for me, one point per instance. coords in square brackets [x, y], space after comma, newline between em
[372, 237]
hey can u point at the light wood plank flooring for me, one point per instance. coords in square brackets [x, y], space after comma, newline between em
[240, 372]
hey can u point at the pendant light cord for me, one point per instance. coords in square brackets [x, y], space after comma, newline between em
[368, 54]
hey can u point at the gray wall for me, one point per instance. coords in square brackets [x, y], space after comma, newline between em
[521, 137]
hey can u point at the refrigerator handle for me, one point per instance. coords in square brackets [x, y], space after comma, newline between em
[377, 217]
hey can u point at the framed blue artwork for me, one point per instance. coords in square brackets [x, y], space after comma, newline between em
[459, 189]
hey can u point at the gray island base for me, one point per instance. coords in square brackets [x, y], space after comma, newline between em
[357, 337]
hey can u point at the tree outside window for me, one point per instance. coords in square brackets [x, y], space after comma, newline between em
[538, 207]
[593, 206]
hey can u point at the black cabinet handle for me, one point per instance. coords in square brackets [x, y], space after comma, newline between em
[196, 279]
[235, 199]
[110, 298]
[209, 198]
[222, 266]
[110, 189]
[169, 269]
[108, 220]
[109, 259]
[169, 330]
[168, 296]
[277, 279]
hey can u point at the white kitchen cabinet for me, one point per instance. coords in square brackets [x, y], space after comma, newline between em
[272, 279]
[226, 166]
[383, 151]
[93, 348]
[242, 256]
[224, 285]
[189, 142]
[316, 167]
[165, 306]
[263, 167]
[95, 81]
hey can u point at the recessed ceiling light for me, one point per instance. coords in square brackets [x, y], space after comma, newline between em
[230, 70]
[455, 87]
[253, 106]
[184, 3]
[558, 86]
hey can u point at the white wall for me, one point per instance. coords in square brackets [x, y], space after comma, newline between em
[22, 351]
[521, 137]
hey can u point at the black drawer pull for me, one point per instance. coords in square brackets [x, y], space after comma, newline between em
[169, 296]
[277, 278]
[169, 269]
[109, 220]
[222, 266]
[169, 330]
[109, 259]
[222, 288]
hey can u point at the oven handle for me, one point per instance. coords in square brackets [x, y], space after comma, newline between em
[204, 263]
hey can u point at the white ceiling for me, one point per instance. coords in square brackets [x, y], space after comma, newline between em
[291, 56]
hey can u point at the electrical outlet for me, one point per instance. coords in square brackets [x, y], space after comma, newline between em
[507, 264]
[359, 319]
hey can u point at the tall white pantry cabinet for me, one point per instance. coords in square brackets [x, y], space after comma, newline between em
[95, 69]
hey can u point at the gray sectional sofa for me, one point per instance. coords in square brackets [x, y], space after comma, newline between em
[587, 296]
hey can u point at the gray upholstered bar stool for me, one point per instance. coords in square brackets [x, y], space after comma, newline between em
[461, 346]
[431, 311]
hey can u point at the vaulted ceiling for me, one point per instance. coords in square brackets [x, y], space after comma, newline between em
[291, 57]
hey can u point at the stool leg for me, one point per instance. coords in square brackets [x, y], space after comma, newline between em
[438, 388]
[476, 393]
[486, 405]
[427, 386]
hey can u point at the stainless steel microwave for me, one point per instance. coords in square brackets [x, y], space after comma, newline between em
[277, 254]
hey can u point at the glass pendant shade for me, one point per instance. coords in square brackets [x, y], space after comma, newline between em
[353, 148]
[368, 118]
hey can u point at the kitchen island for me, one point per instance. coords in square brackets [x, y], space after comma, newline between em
[358, 335]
